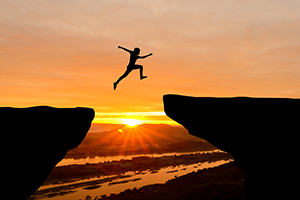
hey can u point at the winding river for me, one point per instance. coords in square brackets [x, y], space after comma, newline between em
[130, 180]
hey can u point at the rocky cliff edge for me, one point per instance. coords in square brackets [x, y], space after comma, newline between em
[260, 133]
[33, 141]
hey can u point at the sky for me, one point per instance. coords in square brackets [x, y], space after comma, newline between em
[63, 53]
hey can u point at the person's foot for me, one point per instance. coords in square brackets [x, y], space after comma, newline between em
[115, 86]
[143, 77]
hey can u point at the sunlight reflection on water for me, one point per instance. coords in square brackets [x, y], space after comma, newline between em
[82, 161]
[142, 179]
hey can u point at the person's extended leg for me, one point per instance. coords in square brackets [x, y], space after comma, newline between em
[141, 71]
[121, 77]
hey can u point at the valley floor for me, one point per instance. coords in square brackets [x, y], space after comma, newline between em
[225, 182]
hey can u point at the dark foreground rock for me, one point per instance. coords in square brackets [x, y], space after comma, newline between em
[260, 134]
[33, 141]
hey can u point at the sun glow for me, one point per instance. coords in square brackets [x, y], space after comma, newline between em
[131, 122]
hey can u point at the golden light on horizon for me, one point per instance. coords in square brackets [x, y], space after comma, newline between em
[157, 117]
[131, 122]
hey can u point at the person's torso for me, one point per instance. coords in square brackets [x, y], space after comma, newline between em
[132, 59]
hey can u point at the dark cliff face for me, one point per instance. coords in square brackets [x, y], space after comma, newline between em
[258, 132]
[34, 140]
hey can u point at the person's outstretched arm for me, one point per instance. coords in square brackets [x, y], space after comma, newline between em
[124, 49]
[150, 54]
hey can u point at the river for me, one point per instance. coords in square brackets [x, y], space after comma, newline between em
[71, 161]
[130, 179]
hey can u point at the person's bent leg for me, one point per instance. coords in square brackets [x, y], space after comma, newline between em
[141, 71]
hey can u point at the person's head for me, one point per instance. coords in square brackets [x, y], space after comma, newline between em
[137, 50]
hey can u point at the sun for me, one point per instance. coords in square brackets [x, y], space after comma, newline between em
[131, 122]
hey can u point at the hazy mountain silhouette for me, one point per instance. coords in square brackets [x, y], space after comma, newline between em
[158, 133]
[145, 138]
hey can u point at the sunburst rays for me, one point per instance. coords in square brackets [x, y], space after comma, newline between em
[139, 138]
[132, 138]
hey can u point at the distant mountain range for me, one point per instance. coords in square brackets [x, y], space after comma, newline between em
[145, 138]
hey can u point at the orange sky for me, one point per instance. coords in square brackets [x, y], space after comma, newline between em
[64, 53]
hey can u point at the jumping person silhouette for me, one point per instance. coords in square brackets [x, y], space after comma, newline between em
[134, 55]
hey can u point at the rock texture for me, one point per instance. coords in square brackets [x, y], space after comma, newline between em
[33, 141]
[260, 133]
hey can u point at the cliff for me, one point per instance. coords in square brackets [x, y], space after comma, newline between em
[33, 141]
[260, 133]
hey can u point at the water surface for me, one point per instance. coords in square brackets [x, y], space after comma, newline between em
[82, 161]
[133, 180]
